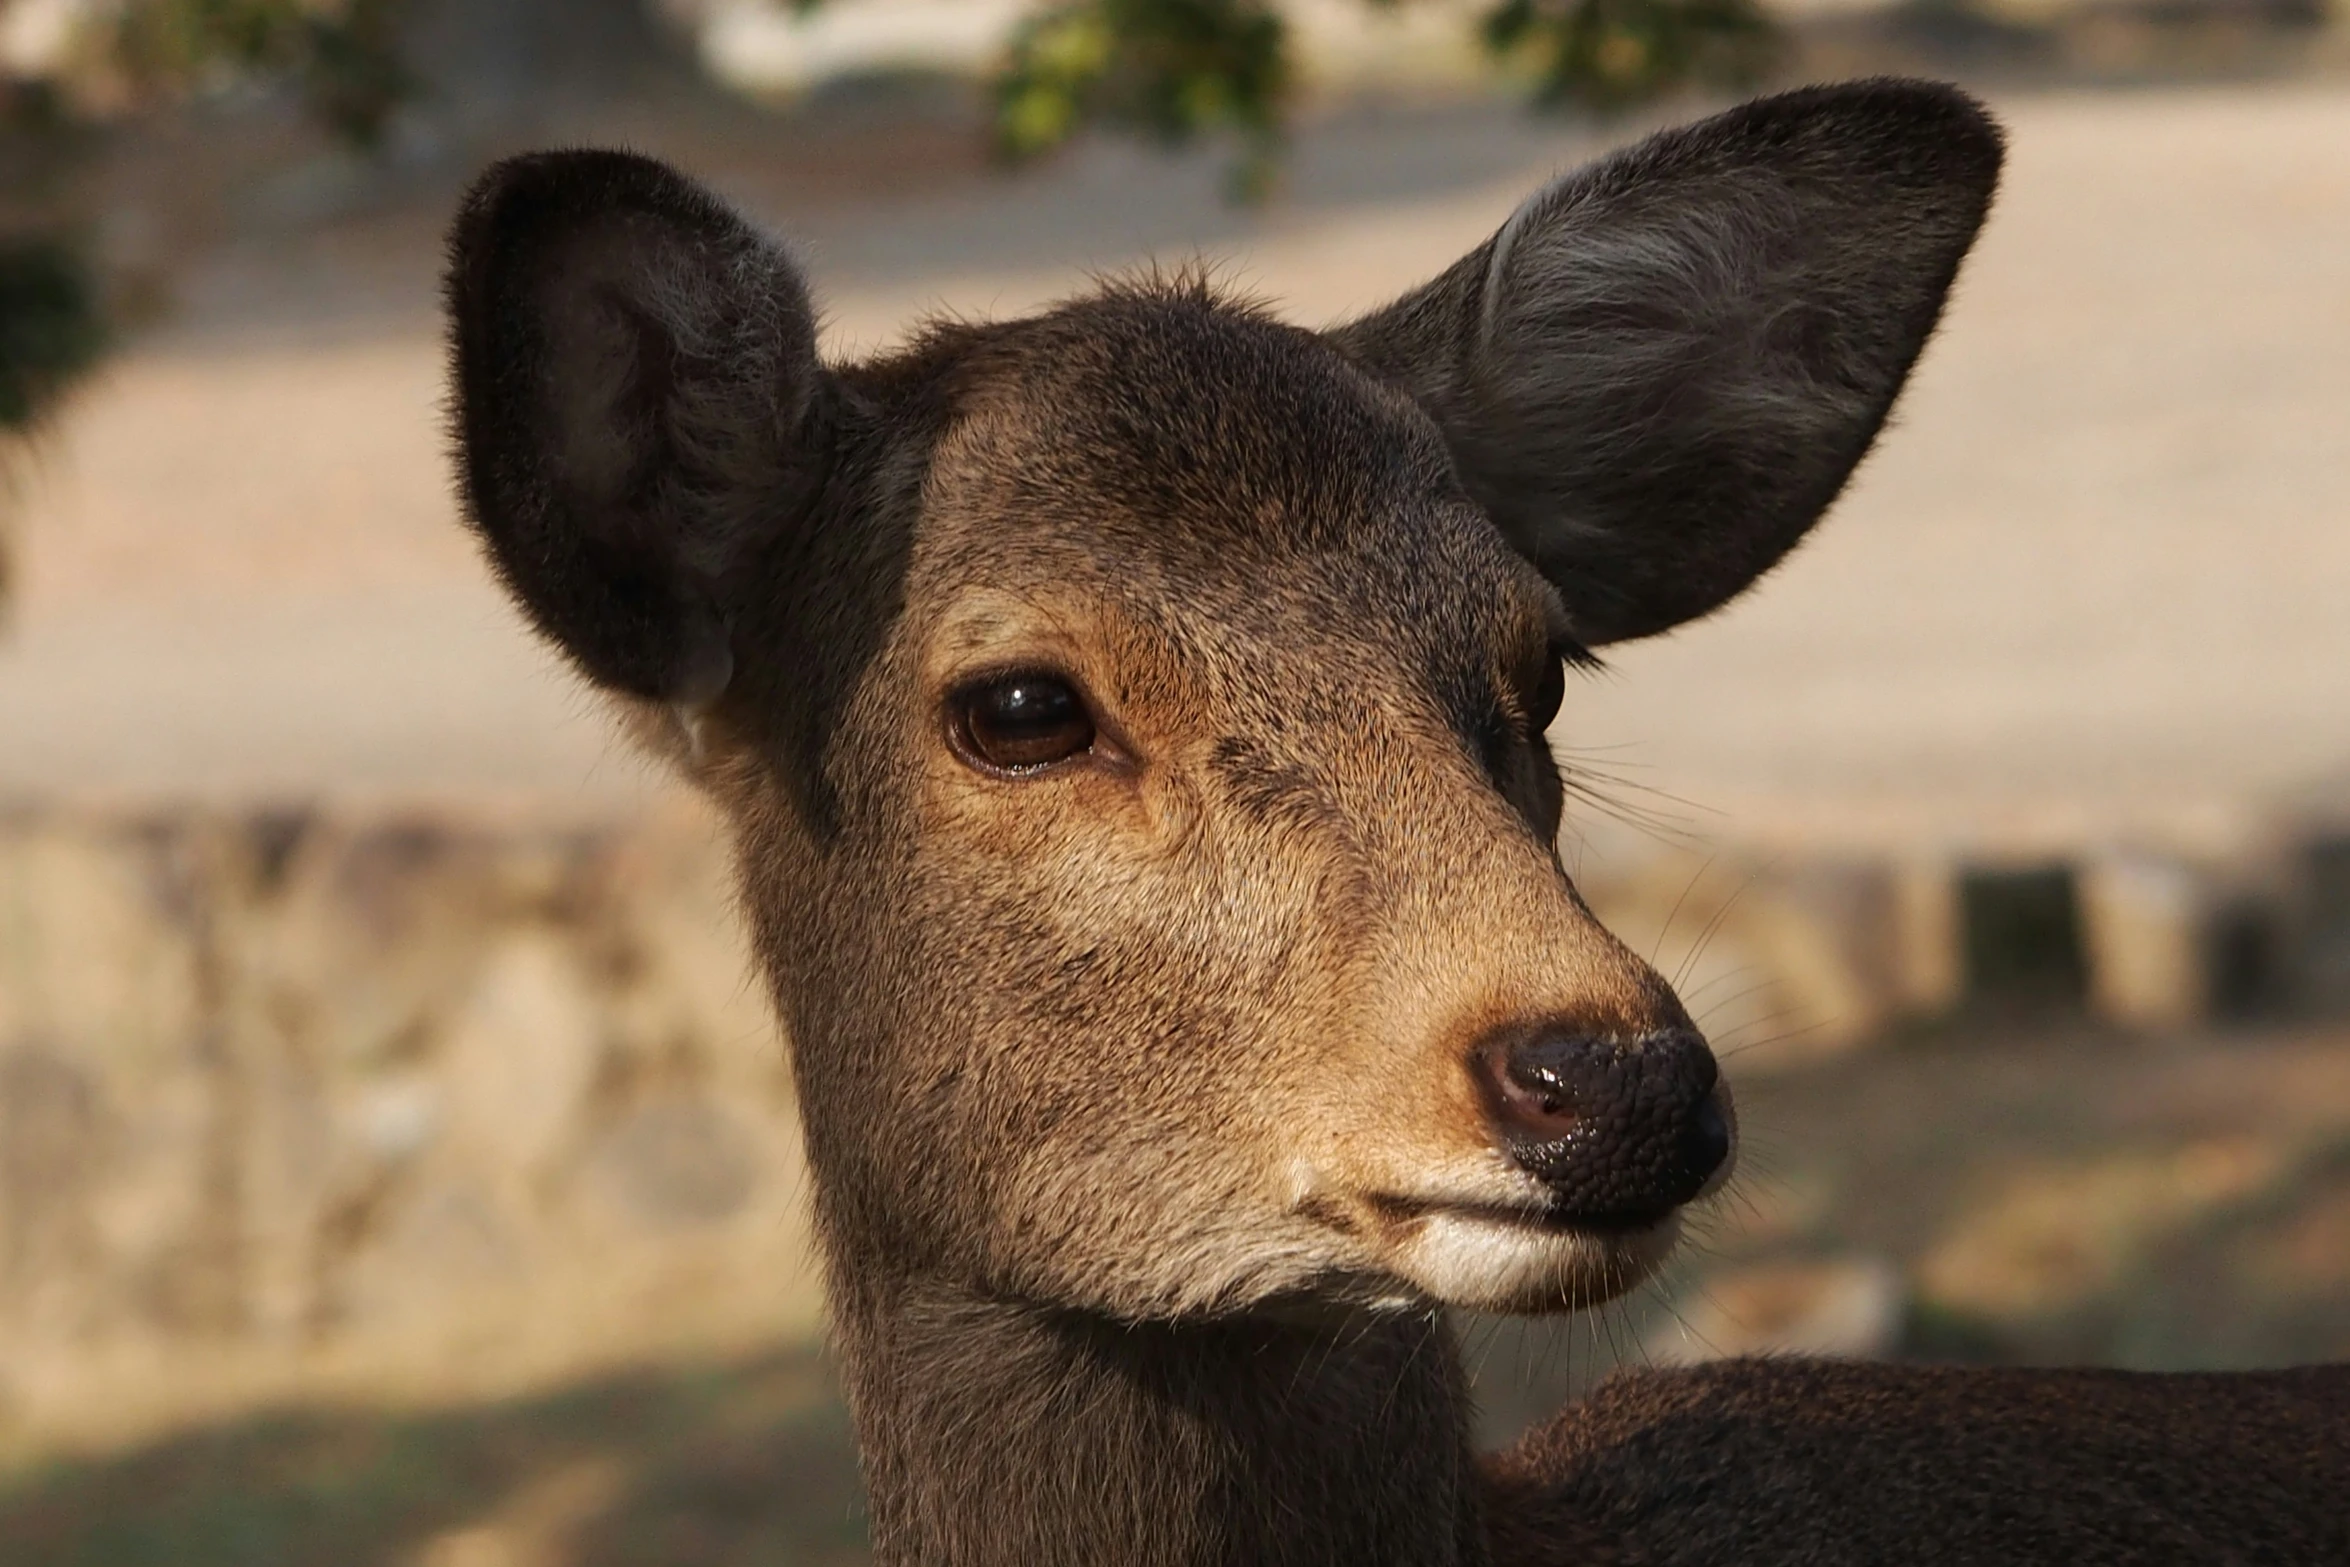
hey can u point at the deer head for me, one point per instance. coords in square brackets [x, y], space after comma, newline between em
[1131, 718]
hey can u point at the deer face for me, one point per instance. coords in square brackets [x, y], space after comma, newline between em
[1194, 881]
[1131, 718]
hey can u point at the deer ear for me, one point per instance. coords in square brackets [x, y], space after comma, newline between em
[638, 408]
[1661, 371]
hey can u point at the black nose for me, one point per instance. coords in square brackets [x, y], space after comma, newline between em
[1622, 1133]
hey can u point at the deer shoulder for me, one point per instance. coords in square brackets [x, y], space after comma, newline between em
[1826, 1463]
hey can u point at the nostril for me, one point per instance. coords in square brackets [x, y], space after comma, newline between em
[1532, 1092]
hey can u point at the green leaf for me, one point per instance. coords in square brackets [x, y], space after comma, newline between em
[1172, 70]
[1610, 54]
[51, 329]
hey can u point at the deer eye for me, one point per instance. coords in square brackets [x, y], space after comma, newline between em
[1020, 723]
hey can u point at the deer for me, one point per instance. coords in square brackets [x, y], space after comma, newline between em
[1129, 724]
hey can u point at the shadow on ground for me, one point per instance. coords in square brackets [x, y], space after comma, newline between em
[725, 1466]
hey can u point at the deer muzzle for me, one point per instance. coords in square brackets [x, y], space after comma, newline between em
[1622, 1133]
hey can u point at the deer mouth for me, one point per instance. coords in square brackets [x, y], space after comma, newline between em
[1542, 1218]
[1523, 1258]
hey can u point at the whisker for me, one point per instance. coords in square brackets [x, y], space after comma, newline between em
[1736, 1040]
[1755, 989]
[1664, 934]
[1705, 937]
[1775, 1039]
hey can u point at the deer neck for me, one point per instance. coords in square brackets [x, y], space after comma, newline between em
[997, 1432]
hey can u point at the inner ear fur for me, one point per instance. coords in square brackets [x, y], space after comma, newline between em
[1663, 368]
[638, 408]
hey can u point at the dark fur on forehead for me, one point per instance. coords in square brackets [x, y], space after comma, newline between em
[1169, 398]
[1257, 480]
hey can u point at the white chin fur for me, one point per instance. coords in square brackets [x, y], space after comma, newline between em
[1490, 1264]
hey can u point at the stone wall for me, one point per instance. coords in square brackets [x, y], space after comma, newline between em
[286, 1098]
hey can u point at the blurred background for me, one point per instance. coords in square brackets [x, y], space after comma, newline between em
[396, 1166]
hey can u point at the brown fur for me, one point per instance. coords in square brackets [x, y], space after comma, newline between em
[1791, 1461]
[1142, 1093]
